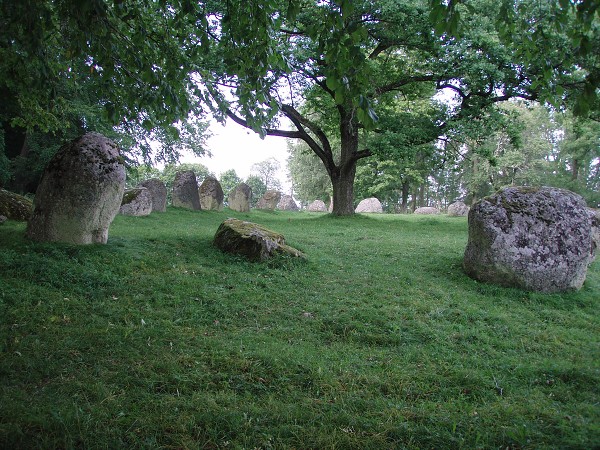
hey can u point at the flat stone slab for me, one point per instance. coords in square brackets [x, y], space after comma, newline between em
[253, 241]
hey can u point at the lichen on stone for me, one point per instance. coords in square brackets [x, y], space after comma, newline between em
[253, 241]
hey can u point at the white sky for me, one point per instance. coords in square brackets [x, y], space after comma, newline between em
[235, 147]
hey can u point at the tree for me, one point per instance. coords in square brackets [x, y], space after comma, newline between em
[575, 163]
[350, 60]
[517, 21]
[309, 177]
[266, 170]
[229, 180]
[518, 155]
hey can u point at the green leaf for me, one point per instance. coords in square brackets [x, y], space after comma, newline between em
[332, 83]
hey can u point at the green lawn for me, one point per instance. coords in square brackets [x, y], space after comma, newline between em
[378, 340]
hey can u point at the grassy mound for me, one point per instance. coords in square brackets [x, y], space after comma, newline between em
[379, 340]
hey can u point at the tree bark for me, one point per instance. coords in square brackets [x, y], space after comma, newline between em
[342, 175]
[343, 191]
[405, 193]
[575, 170]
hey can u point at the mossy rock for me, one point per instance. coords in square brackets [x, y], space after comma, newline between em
[253, 241]
[15, 206]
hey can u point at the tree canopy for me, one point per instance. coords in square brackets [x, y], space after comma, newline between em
[351, 70]
[340, 71]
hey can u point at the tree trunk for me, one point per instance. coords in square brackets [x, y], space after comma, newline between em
[405, 193]
[342, 176]
[575, 170]
[343, 191]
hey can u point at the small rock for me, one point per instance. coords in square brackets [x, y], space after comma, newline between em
[426, 210]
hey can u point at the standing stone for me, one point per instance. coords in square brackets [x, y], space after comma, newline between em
[185, 190]
[239, 198]
[3, 219]
[158, 192]
[287, 203]
[595, 216]
[369, 205]
[458, 209]
[211, 194]
[317, 206]
[538, 239]
[426, 210]
[14, 206]
[80, 192]
[269, 200]
[136, 202]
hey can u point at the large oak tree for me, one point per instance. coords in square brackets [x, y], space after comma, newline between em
[347, 61]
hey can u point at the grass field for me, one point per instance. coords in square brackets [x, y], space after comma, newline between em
[377, 341]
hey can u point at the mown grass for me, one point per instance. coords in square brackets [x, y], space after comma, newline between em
[379, 340]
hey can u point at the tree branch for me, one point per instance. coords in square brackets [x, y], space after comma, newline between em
[269, 131]
[401, 83]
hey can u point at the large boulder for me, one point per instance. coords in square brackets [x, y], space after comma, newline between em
[269, 200]
[239, 198]
[136, 202]
[185, 190]
[369, 205]
[3, 219]
[158, 192]
[317, 206]
[14, 206]
[287, 203]
[211, 194]
[251, 240]
[427, 210]
[80, 192]
[458, 209]
[537, 239]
